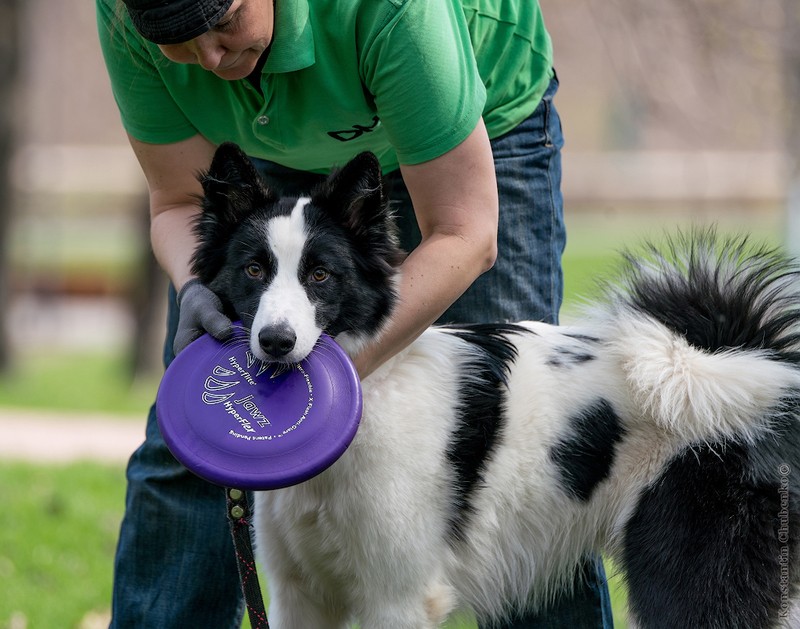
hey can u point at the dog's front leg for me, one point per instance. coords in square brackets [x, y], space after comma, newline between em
[423, 608]
[291, 608]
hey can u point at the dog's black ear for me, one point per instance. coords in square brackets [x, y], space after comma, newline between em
[232, 186]
[354, 193]
[354, 196]
[232, 189]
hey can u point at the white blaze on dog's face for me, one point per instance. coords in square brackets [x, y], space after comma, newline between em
[285, 325]
[291, 268]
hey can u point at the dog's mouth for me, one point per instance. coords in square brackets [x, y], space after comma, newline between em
[282, 362]
[279, 368]
[280, 345]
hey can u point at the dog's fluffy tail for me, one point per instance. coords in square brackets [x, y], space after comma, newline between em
[708, 334]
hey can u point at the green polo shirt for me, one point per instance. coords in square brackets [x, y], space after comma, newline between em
[405, 79]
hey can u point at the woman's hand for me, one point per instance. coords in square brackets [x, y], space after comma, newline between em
[200, 311]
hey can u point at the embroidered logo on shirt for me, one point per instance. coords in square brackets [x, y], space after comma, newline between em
[356, 131]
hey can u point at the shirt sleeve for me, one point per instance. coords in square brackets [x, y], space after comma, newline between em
[420, 69]
[148, 111]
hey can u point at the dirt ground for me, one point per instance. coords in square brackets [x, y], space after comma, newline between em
[63, 438]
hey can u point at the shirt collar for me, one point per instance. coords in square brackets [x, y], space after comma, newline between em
[293, 39]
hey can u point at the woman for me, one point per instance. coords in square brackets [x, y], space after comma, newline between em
[455, 98]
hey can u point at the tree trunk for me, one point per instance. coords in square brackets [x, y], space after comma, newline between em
[9, 70]
[791, 72]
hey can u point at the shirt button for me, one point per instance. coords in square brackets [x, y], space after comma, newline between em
[262, 120]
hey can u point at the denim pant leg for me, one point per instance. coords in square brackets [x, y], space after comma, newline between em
[175, 565]
[526, 282]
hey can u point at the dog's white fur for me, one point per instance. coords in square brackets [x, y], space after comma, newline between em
[285, 301]
[365, 539]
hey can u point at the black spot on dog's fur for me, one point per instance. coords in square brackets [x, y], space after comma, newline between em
[584, 459]
[566, 357]
[586, 338]
[480, 413]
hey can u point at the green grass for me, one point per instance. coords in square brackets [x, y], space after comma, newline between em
[58, 530]
[595, 239]
[98, 382]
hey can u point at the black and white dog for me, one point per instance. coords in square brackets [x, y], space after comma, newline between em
[663, 430]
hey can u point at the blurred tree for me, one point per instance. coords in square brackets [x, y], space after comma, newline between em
[791, 69]
[147, 301]
[9, 70]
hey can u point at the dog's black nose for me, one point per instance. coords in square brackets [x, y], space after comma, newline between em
[277, 340]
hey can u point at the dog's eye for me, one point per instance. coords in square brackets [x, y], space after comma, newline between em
[319, 274]
[254, 271]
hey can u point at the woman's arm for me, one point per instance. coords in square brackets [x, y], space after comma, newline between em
[171, 171]
[456, 205]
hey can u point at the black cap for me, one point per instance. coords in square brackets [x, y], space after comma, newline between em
[175, 21]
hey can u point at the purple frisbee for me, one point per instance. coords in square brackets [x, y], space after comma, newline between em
[238, 422]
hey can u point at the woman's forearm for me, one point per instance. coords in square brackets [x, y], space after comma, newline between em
[433, 276]
[171, 171]
[173, 241]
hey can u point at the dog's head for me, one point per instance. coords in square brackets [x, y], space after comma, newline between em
[292, 268]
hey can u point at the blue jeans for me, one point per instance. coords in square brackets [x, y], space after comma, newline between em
[175, 564]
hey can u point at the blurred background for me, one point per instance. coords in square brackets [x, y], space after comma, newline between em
[675, 112]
